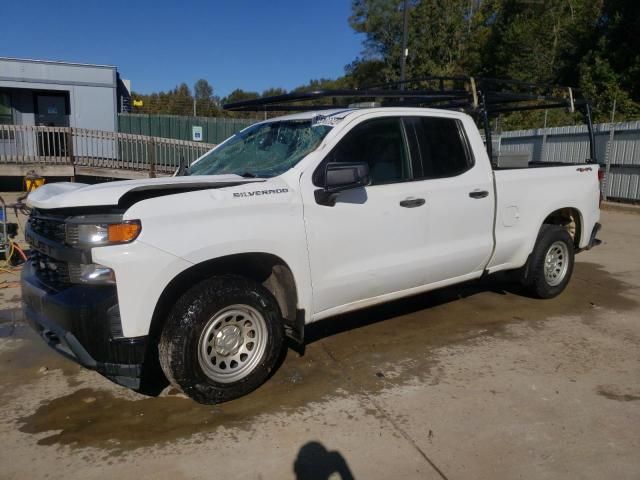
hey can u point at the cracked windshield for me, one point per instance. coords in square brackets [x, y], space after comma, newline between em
[263, 150]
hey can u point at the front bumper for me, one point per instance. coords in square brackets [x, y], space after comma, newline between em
[82, 322]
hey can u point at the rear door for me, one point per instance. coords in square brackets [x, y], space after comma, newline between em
[459, 198]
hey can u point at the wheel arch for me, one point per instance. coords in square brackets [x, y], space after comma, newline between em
[267, 269]
[567, 217]
[570, 218]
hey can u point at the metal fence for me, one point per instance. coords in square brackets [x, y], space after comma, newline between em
[76, 151]
[93, 152]
[617, 150]
[214, 130]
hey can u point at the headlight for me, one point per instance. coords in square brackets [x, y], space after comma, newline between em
[78, 233]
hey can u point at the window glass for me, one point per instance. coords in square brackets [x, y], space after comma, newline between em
[263, 150]
[6, 116]
[441, 145]
[380, 143]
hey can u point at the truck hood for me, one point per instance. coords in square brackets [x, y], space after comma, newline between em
[70, 195]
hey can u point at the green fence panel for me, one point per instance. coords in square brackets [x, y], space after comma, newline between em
[214, 130]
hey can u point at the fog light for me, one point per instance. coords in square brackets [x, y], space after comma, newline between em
[92, 274]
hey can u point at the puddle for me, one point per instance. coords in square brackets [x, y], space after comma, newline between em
[23, 355]
[11, 322]
[362, 352]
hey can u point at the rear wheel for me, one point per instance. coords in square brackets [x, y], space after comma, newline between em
[222, 339]
[550, 265]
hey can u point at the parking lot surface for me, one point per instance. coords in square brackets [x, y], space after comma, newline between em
[474, 381]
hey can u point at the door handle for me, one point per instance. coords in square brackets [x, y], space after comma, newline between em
[412, 202]
[479, 194]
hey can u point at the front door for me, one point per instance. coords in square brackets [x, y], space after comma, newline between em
[372, 241]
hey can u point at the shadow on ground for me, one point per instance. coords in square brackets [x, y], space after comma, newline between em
[315, 462]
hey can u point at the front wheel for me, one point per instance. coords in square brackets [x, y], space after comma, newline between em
[222, 339]
[550, 265]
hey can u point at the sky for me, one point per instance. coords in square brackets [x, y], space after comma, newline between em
[248, 44]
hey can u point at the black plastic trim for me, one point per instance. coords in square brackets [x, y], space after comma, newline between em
[81, 324]
[55, 249]
[593, 241]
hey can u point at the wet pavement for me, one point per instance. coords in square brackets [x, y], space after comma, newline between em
[466, 382]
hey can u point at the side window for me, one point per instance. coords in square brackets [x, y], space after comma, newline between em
[380, 143]
[441, 145]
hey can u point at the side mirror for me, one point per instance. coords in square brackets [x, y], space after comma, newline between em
[341, 176]
[345, 176]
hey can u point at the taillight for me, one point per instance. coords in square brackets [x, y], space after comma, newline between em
[601, 181]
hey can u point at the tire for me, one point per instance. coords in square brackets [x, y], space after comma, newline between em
[222, 339]
[548, 280]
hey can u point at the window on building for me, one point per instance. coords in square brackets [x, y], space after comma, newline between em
[6, 114]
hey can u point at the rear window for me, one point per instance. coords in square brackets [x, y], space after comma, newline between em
[438, 146]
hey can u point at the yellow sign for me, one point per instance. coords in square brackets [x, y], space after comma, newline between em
[32, 181]
[138, 103]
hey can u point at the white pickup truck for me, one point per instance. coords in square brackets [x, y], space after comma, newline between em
[291, 221]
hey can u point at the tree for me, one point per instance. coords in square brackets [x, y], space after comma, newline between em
[610, 69]
[202, 90]
[381, 23]
[272, 92]
[206, 103]
[239, 95]
[438, 36]
[361, 73]
[593, 44]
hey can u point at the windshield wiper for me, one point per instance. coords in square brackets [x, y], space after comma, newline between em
[247, 175]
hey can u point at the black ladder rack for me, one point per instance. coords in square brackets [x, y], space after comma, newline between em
[480, 97]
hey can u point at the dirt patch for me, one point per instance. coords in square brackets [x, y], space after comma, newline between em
[364, 352]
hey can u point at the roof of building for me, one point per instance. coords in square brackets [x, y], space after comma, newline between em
[56, 62]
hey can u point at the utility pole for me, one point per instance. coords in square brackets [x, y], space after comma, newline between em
[613, 111]
[405, 52]
[194, 107]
